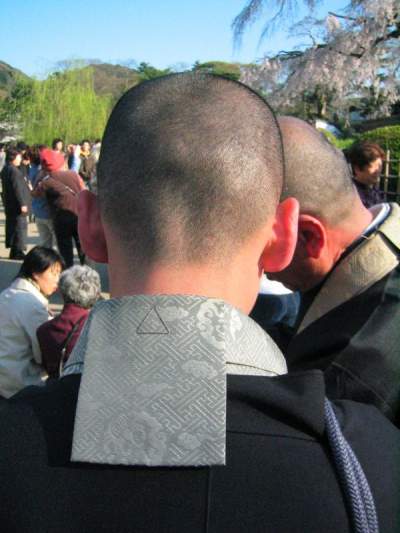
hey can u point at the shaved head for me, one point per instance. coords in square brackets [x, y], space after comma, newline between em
[316, 173]
[191, 165]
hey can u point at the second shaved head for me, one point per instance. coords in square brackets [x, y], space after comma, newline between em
[316, 173]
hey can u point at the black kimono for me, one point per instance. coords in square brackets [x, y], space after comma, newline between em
[351, 327]
[15, 194]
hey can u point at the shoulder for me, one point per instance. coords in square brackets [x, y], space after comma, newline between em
[68, 177]
[38, 417]
[28, 306]
[25, 292]
[281, 404]
[57, 328]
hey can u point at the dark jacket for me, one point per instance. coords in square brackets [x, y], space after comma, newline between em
[357, 346]
[55, 335]
[278, 478]
[369, 195]
[61, 189]
[87, 169]
[15, 190]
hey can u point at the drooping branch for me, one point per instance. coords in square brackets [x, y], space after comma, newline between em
[346, 17]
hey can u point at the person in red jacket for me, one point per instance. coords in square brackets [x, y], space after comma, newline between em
[80, 288]
[61, 188]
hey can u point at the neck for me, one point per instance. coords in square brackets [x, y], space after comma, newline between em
[345, 234]
[228, 284]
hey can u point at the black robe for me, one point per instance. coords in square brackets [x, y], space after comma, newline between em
[351, 328]
[279, 475]
[15, 193]
[357, 345]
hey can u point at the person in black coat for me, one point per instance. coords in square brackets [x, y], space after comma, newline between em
[17, 201]
[171, 414]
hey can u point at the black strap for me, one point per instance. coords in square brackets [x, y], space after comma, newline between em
[63, 357]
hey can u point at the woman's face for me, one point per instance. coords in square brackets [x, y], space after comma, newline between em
[370, 174]
[48, 280]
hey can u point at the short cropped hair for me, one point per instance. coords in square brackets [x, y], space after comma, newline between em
[80, 285]
[191, 165]
[361, 154]
[316, 172]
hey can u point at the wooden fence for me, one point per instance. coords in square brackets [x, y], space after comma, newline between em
[390, 179]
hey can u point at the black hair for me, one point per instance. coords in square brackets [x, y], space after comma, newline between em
[11, 154]
[34, 154]
[38, 260]
[21, 146]
[202, 168]
[55, 141]
[362, 153]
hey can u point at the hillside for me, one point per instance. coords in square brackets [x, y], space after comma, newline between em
[8, 75]
[108, 79]
[113, 79]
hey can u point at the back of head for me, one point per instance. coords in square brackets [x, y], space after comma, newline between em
[11, 154]
[316, 173]
[80, 285]
[51, 160]
[190, 165]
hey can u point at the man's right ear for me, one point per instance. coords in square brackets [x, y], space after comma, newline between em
[90, 227]
[312, 235]
[279, 251]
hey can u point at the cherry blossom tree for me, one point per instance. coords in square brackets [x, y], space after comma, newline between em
[352, 53]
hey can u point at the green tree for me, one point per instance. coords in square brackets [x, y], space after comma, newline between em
[228, 70]
[148, 72]
[64, 105]
[12, 104]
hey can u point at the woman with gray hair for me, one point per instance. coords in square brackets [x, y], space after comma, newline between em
[80, 288]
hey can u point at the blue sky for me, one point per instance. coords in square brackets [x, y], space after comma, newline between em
[35, 34]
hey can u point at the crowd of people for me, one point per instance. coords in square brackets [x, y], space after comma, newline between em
[44, 183]
[166, 408]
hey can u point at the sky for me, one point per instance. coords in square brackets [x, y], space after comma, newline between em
[35, 34]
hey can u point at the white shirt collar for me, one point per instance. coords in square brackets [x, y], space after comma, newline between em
[23, 284]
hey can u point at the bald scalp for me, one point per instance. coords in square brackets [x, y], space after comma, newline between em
[191, 165]
[316, 172]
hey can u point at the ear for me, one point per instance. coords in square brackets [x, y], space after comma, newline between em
[90, 227]
[279, 251]
[312, 235]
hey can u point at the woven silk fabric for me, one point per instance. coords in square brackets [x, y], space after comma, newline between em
[153, 389]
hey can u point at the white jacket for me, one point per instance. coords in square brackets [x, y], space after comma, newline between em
[23, 308]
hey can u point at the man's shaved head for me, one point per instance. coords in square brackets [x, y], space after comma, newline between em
[190, 166]
[316, 173]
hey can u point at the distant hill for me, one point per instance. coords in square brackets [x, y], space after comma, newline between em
[8, 75]
[113, 79]
[108, 79]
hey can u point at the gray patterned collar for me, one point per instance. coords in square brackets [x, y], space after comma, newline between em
[153, 389]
